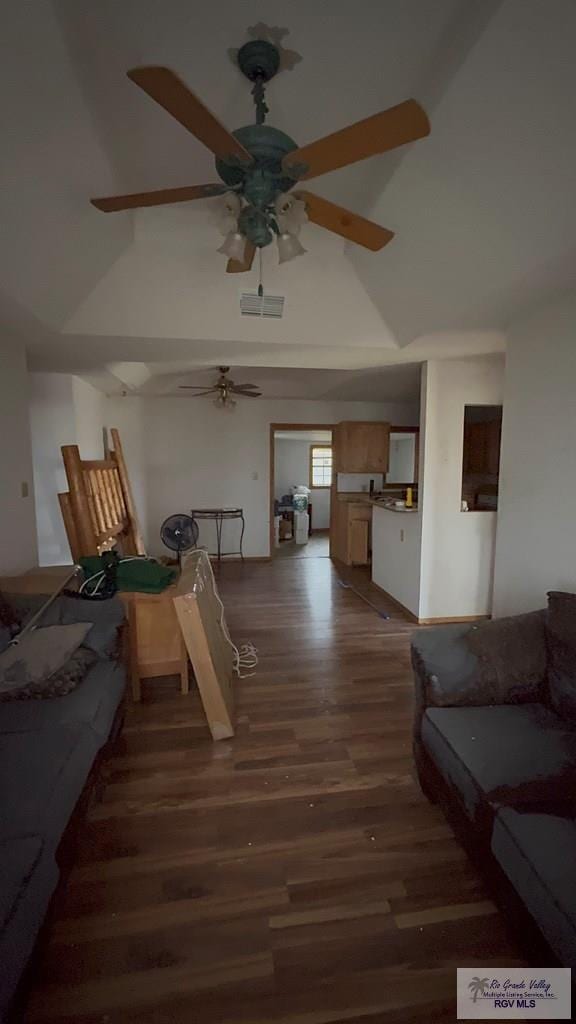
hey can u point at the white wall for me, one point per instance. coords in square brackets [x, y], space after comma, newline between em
[396, 555]
[198, 455]
[17, 520]
[457, 558]
[53, 423]
[63, 410]
[536, 539]
[127, 415]
[89, 414]
[292, 466]
[354, 482]
[401, 467]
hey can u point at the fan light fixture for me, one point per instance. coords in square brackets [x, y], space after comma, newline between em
[289, 246]
[223, 390]
[284, 222]
[234, 246]
[259, 165]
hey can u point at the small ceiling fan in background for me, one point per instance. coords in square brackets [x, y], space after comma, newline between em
[223, 389]
[260, 165]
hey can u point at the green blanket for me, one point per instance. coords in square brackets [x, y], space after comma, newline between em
[142, 575]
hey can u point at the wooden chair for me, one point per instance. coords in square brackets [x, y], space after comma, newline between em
[99, 514]
[98, 508]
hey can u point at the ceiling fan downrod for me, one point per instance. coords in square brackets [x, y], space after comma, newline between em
[259, 61]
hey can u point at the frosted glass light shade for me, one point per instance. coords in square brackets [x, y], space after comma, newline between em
[227, 224]
[289, 246]
[229, 211]
[224, 401]
[233, 246]
[291, 213]
[232, 203]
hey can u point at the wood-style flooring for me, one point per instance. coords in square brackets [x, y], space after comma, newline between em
[292, 875]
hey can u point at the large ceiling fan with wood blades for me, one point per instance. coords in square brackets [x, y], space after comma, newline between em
[224, 389]
[260, 167]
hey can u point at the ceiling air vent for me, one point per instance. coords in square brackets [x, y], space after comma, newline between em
[269, 306]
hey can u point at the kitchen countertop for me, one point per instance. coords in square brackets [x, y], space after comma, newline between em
[362, 498]
[391, 508]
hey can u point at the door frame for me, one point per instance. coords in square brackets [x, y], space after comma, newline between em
[294, 427]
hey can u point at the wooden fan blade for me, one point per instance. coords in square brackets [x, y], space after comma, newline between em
[343, 222]
[377, 134]
[195, 387]
[188, 387]
[240, 266]
[246, 387]
[247, 394]
[164, 196]
[170, 92]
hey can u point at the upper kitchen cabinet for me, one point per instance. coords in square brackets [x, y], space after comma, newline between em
[482, 436]
[361, 447]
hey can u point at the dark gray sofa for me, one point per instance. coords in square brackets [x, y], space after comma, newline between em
[491, 748]
[48, 750]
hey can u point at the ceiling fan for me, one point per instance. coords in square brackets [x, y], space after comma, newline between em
[224, 389]
[259, 165]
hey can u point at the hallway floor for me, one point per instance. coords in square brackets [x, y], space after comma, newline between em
[318, 546]
[292, 875]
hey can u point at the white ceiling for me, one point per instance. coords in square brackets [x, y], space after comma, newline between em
[483, 209]
[394, 383]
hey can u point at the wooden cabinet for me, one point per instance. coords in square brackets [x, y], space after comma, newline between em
[350, 536]
[361, 447]
[482, 448]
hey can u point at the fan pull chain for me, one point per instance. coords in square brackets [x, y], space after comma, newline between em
[260, 285]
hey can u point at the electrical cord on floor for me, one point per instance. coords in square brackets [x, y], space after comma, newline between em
[244, 657]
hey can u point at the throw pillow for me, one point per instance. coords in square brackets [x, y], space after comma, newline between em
[561, 643]
[39, 654]
[63, 681]
[511, 656]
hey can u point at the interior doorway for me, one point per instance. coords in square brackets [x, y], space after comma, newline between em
[300, 457]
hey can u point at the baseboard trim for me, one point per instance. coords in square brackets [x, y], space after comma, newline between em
[444, 621]
[453, 618]
[236, 559]
[398, 604]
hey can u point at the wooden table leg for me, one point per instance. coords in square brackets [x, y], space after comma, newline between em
[135, 680]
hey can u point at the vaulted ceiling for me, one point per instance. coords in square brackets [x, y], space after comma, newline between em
[482, 209]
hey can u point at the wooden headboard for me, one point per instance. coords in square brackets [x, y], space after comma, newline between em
[98, 509]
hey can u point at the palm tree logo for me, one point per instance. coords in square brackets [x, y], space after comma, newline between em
[478, 986]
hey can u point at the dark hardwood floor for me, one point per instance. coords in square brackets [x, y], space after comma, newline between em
[294, 874]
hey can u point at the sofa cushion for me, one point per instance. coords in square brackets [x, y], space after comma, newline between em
[561, 641]
[537, 852]
[106, 617]
[29, 876]
[42, 774]
[93, 702]
[491, 752]
[59, 684]
[497, 662]
[511, 656]
[40, 654]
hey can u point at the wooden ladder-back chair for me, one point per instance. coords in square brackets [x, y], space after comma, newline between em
[98, 509]
[99, 514]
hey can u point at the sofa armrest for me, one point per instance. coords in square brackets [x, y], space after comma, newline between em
[498, 662]
[445, 669]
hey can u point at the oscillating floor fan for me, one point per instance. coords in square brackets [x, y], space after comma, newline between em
[179, 533]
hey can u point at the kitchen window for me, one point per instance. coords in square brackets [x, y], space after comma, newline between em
[320, 465]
